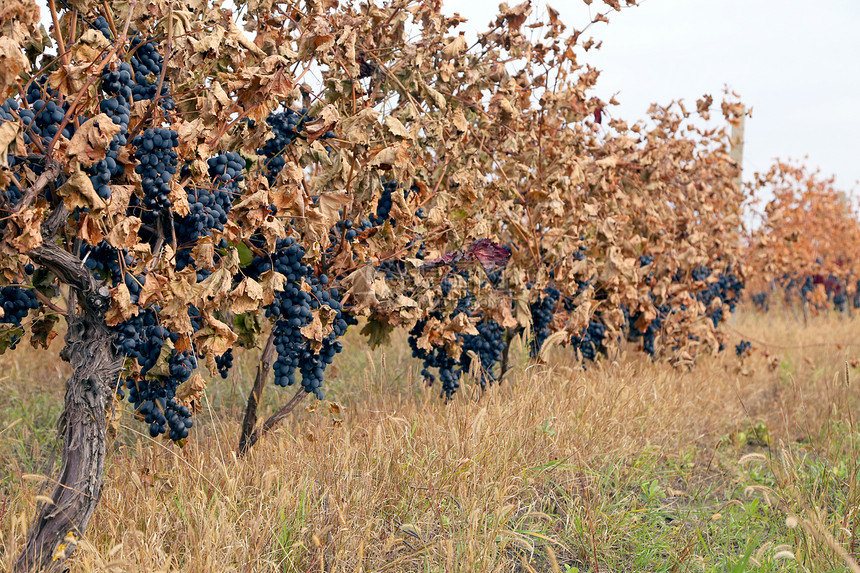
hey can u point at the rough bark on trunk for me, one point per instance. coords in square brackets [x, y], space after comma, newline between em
[250, 432]
[59, 525]
[280, 415]
[273, 421]
[249, 424]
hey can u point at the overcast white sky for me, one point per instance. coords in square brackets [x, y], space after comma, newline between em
[796, 63]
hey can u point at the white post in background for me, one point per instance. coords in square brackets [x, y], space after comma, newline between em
[737, 153]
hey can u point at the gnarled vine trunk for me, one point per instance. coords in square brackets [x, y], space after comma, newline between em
[59, 525]
[250, 432]
[249, 424]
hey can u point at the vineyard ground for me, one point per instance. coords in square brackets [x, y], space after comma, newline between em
[628, 466]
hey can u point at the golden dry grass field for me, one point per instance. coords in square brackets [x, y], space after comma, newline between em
[627, 466]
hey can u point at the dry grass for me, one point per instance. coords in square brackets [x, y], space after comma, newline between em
[628, 466]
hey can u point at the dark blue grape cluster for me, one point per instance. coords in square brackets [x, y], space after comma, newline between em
[285, 129]
[313, 364]
[45, 114]
[807, 287]
[393, 269]
[224, 363]
[396, 269]
[730, 287]
[644, 261]
[286, 126]
[100, 176]
[145, 66]
[41, 117]
[134, 284]
[142, 339]
[118, 85]
[385, 203]
[761, 301]
[835, 289]
[146, 60]
[207, 212]
[154, 150]
[101, 24]
[437, 357]
[160, 412]
[743, 347]
[103, 260]
[16, 302]
[155, 399]
[727, 288]
[789, 284]
[123, 85]
[716, 316]
[288, 345]
[649, 336]
[147, 63]
[195, 318]
[701, 273]
[344, 231]
[542, 311]
[836, 292]
[12, 194]
[590, 343]
[347, 230]
[208, 208]
[285, 259]
[9, 109]
[292, 310]
[489, 345]
[226, 167]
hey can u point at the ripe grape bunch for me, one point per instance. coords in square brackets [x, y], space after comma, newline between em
[15, 303]
[142, 339]
[107, 263]
[12, 194]
[154, 151]
[118, 84]
[145, 63]
[488, 344]
[286, 128]
[590, 342]
[155, 400]
[224, 363]
[44, 115]
[293, 309]
[542, 311]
